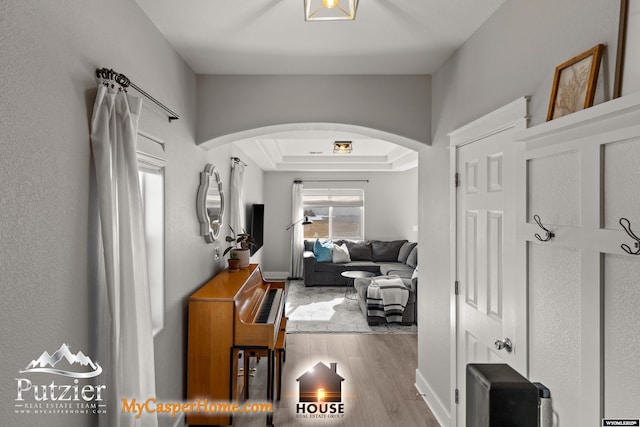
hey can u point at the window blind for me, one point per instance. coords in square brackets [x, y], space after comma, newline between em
[339, 197]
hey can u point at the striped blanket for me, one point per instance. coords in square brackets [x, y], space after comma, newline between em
[387, 297]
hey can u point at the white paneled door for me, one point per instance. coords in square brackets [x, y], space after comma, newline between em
[491, 299]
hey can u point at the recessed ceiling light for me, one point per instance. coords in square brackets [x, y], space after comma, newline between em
[330, 10]
[342, 147]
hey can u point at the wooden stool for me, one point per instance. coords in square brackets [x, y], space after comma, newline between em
[248, 354]
[279, 355]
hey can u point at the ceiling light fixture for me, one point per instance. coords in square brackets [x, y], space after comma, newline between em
[330, 10]
[342, 147]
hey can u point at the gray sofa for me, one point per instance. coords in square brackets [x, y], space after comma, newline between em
[376, 256]
[397, 257]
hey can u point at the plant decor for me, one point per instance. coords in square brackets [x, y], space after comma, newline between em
[240, 241]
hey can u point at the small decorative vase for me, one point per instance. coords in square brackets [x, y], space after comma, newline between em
[243, 256]
[234, 264]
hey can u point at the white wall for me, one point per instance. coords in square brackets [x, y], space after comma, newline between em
[398, 104]
[50, 51]
[513, 54]
[391, 208]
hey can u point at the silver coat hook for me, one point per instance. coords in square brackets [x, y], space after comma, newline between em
[626, 225]
[549, 234]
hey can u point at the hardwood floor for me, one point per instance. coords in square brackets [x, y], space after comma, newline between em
[378, 390]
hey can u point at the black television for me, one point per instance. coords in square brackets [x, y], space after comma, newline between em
[257, 226]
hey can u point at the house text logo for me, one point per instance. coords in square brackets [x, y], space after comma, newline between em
[320, 393]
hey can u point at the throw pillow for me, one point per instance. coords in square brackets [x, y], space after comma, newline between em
[405, 250]
[412, 259]
[308, 245]
[323, 250]
[386, 251]
[359, 251]
[341, 254]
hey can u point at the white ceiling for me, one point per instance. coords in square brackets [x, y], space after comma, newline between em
[272, 37]
[314, 152]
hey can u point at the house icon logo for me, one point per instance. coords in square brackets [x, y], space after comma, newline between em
[320, 392]
[321, 384]
[76, 365]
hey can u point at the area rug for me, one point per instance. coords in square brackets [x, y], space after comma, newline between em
[324, 309]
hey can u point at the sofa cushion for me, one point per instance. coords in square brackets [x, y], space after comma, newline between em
[323, 251]
[353, 265]
[329, 267]
[398, 268]
[359, 251]
[388, 251]
[363, 265]
[340, 254]
[405, 250]
[412, 259]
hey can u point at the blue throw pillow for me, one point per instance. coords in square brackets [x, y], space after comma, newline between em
[323, 251]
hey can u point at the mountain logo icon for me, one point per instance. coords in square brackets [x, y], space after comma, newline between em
[69, 365]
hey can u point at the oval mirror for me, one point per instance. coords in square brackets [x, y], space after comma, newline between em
[210, 203]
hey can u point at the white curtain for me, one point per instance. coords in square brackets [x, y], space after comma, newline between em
[125, 333]
[297, 234]
[236, 198]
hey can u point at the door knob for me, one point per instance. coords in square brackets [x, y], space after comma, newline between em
[504, 344]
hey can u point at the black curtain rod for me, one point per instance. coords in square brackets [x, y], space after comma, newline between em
[124, 82]
[330, 180]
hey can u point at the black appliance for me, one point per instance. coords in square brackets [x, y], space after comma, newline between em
[498, 396]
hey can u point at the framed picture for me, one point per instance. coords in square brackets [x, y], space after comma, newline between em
[574, 83]
[627, 79]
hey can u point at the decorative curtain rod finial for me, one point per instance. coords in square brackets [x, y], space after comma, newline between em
[124, 82]
[237, 160]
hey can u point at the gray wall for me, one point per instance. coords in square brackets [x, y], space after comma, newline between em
[233, 103]
[391, 208]
[253, 193]
[49, 54]
[513, 54]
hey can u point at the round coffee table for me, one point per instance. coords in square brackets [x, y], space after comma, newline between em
[353, 275]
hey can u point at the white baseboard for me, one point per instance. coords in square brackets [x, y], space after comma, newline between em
[441, 412]
[275, 275]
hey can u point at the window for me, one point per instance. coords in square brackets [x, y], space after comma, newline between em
[151, 174]
[336, 213]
